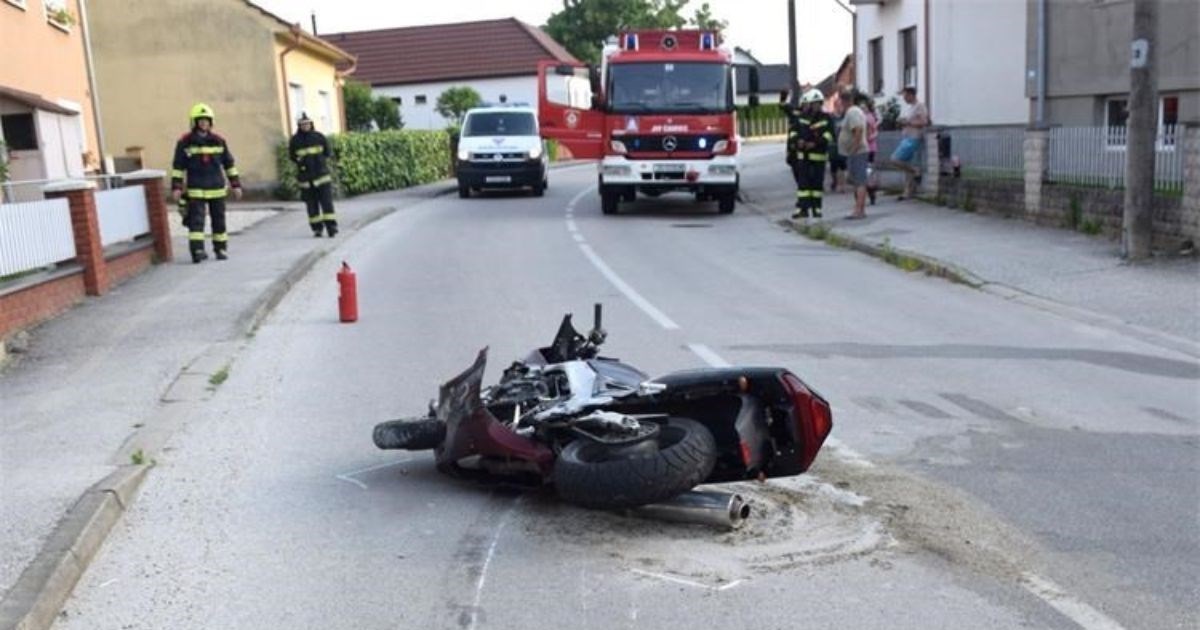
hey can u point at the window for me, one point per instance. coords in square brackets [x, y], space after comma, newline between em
[908, 57]
[500, 124]
[326, 110]
[419, 99]
[295, 100]
[1168, 119]
[1116, 119]
[19, 132]
[58, 14]
[20, 4]
[683, 87]
[875, 65]
[398, 100]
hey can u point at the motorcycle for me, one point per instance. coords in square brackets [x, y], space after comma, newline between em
[606, 435]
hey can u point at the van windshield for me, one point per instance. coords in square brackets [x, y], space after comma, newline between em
[500, 124]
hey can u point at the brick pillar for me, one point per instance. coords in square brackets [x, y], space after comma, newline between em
[152, 183]
[1037, 157]
[933, 170]
[1190, 206]
[86, 226]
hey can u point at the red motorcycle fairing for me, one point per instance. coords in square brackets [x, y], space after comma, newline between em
[472, 430]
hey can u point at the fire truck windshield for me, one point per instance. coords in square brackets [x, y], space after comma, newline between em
[669, 87]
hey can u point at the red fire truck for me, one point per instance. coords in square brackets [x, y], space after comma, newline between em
[658, 114]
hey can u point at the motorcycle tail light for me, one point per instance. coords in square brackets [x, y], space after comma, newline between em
[814, 418]
[745, 452]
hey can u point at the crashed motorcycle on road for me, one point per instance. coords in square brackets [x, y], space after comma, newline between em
[608, 436]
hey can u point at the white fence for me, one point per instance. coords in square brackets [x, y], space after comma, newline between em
[14, 191]
[122, 214]
[1095, 156]
[765, 127]
[994, 152]
[35, 234]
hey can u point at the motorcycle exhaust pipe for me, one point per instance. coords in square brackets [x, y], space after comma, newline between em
[702, 507]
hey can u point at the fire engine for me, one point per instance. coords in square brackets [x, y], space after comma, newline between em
[658, 114]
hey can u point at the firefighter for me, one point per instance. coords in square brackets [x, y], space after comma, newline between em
[203, 158]
[310, 151]
[811, 144]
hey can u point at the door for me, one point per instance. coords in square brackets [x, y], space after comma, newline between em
[565, 109]
[24, 157]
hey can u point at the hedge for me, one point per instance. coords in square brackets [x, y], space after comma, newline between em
[366, 162]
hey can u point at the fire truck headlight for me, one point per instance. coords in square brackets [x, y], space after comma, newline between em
[615, 170]
[720, 146]
[722, 169]
[617, 147]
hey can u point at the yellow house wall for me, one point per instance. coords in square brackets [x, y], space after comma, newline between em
[315, 74]
[155, 59]
[41, 58]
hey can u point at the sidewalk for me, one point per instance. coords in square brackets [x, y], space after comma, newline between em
[1074, 275]
[98, 389]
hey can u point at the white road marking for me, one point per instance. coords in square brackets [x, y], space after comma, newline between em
[571, 225]
[574, 200]
[487, 561]
[634, 296]
[578, 238]
[1082, 614]
[686, 582]
[707, 355]
[350, 476]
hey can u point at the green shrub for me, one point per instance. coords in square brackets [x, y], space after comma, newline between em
[376, 161]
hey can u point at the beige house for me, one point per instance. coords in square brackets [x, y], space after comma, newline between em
[46, 118]
[155, 58]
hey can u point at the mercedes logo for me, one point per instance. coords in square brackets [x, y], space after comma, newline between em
[669, 143]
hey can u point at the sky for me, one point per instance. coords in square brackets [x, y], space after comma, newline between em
[824, 28]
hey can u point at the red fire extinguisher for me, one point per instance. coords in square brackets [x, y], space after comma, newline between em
[347, 294]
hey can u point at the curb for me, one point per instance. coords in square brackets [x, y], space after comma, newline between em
[37, 597]
[954, 273]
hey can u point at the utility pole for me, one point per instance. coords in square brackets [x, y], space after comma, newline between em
[1142, 126]
[794, 100]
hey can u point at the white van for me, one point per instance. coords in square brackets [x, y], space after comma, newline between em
[500, 147]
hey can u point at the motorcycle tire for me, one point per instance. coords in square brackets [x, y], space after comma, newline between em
[410, 435]
[602, 476]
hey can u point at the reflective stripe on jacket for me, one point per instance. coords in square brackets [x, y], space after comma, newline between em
[205, 162]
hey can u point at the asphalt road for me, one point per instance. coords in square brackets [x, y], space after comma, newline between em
[994, 466]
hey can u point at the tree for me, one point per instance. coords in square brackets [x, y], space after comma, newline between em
[454, 102]
[583, 25]
[703, 19]
[367, 112]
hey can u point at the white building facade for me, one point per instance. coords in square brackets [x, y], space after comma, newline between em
[966, 59]
[418, 101]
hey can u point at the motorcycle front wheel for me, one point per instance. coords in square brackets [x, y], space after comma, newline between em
[605, 476]
[419, 434]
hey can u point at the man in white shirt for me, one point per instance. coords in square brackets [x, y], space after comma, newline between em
[852, 143]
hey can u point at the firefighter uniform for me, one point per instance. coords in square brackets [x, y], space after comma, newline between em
[203, 160]
[810, 142]
[309, 149]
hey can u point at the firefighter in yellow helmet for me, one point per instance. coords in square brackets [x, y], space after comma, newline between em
[202, 164]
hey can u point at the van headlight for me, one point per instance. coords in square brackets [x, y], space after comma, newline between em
[463, 155]
[535, 152]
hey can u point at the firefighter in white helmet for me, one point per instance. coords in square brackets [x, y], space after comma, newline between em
[809, 144]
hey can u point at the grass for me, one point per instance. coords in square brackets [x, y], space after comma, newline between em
[219, 377]
[137, 458]
[1090, 226]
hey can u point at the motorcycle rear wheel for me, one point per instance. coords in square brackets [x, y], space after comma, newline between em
[601, 476]
[419, 434]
